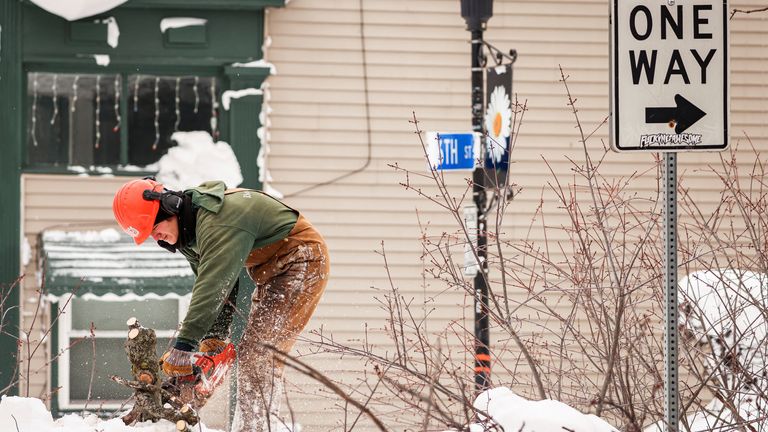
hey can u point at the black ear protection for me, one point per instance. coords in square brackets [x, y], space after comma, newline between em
[170, 202]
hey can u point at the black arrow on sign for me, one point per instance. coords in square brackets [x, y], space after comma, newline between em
[684, 115]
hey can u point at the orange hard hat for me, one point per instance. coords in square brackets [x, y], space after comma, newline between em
[134, 213]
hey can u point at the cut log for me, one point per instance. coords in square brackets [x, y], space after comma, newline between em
[140, 348]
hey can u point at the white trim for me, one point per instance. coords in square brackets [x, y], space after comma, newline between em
[66, 333]
[65, 325]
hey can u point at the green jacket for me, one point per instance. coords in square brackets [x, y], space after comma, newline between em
[228, 227]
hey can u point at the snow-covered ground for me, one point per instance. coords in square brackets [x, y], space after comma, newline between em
[504, 407]
[30, 415]
[515, 413]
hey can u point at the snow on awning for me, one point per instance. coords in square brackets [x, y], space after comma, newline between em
[108, 262]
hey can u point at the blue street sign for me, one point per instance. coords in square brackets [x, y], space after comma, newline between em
[452, 151]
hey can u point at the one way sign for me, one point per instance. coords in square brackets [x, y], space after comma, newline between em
[669, 75]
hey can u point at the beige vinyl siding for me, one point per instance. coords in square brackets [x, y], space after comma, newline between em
[417, 60]
[417, 55]
[61, 202]
[68, 203]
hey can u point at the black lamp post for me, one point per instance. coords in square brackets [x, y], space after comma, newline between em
[476, 13]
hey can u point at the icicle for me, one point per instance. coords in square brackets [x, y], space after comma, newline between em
[136, 93]
[55, 90]
[98, 111]
[157, 113]
[197, 96]
[177, 107]
[34, 109]
[214, 110]
[116, 127]
[74, 94]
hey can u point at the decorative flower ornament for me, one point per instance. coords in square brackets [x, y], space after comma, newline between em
[498, 123]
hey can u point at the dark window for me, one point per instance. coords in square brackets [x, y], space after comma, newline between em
[77, 119]
[158, 106]
[72, 119]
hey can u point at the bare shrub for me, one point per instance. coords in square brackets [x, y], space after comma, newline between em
[578, 316]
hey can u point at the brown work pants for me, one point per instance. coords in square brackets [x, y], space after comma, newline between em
[290, 277]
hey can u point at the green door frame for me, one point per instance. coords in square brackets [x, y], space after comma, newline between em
[10, 124]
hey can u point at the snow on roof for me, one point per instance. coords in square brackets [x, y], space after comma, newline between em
[109, 259]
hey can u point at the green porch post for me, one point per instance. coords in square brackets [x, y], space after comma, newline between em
[243, 122]
[11, 82]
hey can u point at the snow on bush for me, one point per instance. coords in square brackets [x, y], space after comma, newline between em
[724, 311]
[30, 415]
[514, 413]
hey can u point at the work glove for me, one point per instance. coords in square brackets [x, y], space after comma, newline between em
[177, 361]
[212, 346]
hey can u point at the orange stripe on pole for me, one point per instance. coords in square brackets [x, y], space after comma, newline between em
[485, 369]
[483, 357]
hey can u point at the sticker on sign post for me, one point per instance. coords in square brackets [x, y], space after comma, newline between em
[669, 75]
[452, 151]
[471, 266]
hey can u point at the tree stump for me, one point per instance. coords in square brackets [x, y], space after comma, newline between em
[140, 347]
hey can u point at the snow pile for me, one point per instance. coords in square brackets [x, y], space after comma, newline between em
[29, 414]
[197, 159]
[515, 413]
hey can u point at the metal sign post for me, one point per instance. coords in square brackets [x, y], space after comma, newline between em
[669, 92]
[670, 291]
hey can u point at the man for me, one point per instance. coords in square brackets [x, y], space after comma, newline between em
[220, 231]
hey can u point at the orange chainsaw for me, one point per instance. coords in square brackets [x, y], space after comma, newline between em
[208, 373]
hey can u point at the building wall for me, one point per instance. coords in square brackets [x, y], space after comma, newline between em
[351, 76]
[336, 99]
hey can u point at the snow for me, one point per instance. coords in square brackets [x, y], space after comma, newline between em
[73, 10]
[258, 64]
[515, 413]
[197, 159]
[26, 251]
[228, 95]
[30, 414]
[109, 235]
[179, 22]
[134, 168]
[113, 31]
[102, 59]
[722, 308]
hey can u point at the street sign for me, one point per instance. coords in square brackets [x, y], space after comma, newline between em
[669, 75]
[452, 151]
